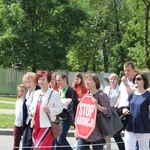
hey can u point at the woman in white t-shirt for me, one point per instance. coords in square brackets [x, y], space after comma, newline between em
[113, 93]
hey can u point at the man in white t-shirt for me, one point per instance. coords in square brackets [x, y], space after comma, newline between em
[126, 87]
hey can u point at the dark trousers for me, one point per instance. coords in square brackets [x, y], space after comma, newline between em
[27, 142]
[61, 142]
[119, 140]
[84, 145]
[18, 131]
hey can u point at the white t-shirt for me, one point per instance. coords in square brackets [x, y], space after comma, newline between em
[19, 113]
[123, 93]
[29, 98]
[112, 94]
[101, 87]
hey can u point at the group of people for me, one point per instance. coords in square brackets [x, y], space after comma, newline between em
[35, 103]
[132, 99]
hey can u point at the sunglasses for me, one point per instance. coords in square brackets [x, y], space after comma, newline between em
[138, 79]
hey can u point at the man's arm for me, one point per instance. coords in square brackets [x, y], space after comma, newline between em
[125, 82]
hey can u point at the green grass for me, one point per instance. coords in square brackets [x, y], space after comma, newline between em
[9, 99]
[7, 106]
[7, 121]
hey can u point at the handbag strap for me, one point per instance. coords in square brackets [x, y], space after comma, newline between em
[48, 100]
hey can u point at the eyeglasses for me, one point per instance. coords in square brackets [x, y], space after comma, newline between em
[138, 79]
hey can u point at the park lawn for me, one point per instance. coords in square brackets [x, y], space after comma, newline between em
[9, 99]
[7, 106]
[7, 120]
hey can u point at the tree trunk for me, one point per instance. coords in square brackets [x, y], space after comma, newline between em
[86, 66]
[105, 56]
[34, 69]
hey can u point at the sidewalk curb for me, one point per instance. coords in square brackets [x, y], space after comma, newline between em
[6, 131]
[9, 131]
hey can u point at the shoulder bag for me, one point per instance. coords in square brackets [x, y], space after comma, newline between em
[109, 125]
[55, 125]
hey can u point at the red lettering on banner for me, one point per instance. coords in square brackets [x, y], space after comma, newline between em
[85, 119]
[86, 109]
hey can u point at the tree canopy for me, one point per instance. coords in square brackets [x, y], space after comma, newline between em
[98, 35]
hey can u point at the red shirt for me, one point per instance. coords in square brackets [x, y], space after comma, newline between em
[79, 91]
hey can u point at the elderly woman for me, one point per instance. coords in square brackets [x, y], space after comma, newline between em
[113, 93]
[100, 99]
[113, 89]
[30, 83]
[42, 134]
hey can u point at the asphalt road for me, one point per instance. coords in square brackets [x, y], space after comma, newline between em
[6, 142]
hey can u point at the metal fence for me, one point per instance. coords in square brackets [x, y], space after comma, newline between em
[11, 78]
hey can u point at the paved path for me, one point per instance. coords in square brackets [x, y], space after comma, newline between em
[7, 111]
[7, 102]
[6, 142]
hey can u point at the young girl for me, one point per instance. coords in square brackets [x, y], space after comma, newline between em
[18, 124]
[79, 86]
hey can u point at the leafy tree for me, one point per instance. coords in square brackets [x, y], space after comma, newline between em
[98, 35]
[113, 35]
[37, 34]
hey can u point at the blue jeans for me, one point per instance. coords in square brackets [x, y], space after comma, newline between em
[61, 141]
[99, 144]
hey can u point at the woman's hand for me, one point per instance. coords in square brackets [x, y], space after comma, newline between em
[95, 101]
[32, 114]
[75, 133]
[99, 107]
[126, 111]
[79, 99]
[46, 109]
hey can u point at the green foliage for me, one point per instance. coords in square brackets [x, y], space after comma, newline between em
[7, 106]
[38, 33]
[8, 99]
[98, 35]
[113, 35]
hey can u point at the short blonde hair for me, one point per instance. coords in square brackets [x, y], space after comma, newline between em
[21, 86]
[29, 75]
[113, 75]
[18, 87]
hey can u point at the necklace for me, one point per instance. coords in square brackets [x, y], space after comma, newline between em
[40, 97]
[140, 92]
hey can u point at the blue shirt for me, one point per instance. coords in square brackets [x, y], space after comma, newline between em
[138, 120]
